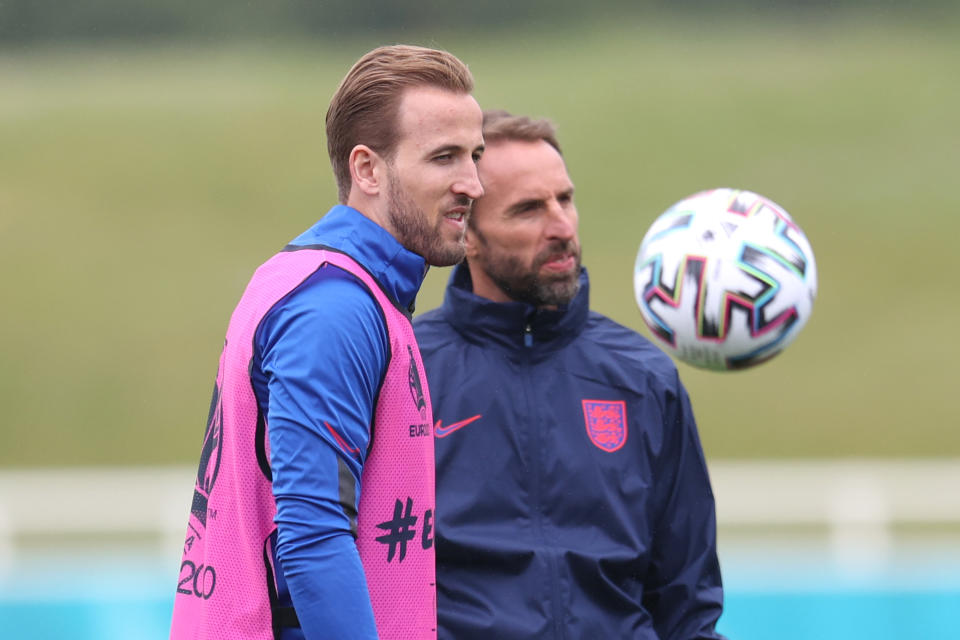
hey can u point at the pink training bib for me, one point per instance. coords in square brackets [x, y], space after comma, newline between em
[226, 586]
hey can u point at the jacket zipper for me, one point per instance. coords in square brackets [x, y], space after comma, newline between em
[538, 437]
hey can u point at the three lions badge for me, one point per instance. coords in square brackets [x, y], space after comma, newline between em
[606, 423]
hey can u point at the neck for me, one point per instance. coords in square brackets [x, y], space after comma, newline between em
[371, 208]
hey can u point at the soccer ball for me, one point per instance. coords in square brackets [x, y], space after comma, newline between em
[725, 279]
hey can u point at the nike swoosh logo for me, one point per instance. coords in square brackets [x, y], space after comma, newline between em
[442, 432]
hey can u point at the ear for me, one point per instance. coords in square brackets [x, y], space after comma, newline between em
[367, 170]
[471, 243]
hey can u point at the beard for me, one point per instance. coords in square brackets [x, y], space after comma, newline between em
[527, 284]
[413, 230]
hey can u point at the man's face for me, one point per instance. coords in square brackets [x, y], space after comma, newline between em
[522, 242]
[432, 175]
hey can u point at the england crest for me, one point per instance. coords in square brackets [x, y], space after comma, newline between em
[606, 423]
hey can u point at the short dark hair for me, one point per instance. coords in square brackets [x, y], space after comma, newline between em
[365, 107]
[500, 125]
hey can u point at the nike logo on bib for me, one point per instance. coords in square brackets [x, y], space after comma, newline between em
[441, 432]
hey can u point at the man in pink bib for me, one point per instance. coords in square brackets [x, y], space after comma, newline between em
[313, 509]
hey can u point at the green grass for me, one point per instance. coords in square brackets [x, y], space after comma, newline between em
[139, 188]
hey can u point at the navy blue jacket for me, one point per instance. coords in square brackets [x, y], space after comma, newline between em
[572, 494]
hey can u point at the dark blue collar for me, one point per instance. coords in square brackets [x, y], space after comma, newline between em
[513, 324]
[398, 270]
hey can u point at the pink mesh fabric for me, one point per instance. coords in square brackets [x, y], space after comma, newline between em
[225, 576]
[395, 520]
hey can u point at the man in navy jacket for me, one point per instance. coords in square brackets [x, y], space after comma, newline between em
[573, 499]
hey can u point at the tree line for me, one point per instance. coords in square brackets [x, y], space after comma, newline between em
[33, 21]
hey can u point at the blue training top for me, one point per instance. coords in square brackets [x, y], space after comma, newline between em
[320, 356]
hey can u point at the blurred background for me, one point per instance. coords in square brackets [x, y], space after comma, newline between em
[153, 153]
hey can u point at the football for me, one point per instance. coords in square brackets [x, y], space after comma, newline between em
[725, 279]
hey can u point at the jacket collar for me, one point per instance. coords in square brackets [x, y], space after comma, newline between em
[513, 325]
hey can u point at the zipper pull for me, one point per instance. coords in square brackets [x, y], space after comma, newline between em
[528, 336]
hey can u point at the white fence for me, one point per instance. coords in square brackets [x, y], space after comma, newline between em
[857, 502]
[858, 505]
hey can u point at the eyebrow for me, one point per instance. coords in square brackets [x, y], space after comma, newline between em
[521, 205]
[453, 148]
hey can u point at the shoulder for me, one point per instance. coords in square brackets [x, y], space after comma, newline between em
[627, 353]
[433, 331]
[332, 292]
[330, 306]
[429, 318]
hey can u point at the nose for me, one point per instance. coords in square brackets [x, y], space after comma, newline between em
[561, 222]
[469, 183]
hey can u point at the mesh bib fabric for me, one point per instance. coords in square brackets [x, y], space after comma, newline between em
[226, 586]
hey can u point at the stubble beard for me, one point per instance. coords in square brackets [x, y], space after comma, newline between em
[526, 284]
[412, 229]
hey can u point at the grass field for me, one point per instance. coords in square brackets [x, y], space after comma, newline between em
[140, 187]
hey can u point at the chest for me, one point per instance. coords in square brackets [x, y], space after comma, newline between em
[560, 440]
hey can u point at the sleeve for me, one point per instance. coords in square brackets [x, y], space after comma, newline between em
[684, 593]
[323, 353]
